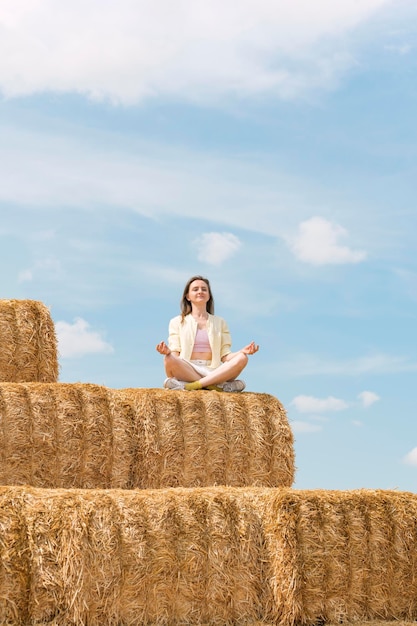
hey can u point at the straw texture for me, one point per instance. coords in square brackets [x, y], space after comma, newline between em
[219, 556]
[89, 436]
[345, 556]
[28, 342]
[122, 557]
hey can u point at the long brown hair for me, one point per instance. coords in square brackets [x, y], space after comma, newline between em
[185, 304]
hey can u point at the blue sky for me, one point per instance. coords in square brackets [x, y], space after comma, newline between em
[268, 145]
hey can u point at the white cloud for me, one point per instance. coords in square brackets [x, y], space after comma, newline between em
[215, 248]
[310, 404]
[133, 49]
[98, 171]
[368, 398]
[305, 427]
[411, 457]
[78, 339]
[317, 242]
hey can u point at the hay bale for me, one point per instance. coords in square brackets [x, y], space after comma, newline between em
[89, 436]
[345, 556]
[15, 560]
[219, 555]
[28, 342]
[162, 557]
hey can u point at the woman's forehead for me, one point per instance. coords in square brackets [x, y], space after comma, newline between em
[198, 283]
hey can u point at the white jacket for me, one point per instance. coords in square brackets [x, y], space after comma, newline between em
[182, 337]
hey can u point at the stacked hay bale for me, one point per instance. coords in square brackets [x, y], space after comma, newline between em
[345, 556]
[89, 436]
[28, 342]
[132, 557]
[220, 555]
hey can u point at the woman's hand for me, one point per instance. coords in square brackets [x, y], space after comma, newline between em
[251, 348]
[162, 348]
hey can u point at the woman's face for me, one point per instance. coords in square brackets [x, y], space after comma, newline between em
[198, 292]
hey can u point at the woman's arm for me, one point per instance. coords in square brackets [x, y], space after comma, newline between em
[251, 348]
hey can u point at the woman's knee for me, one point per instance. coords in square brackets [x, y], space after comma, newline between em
[242, 359]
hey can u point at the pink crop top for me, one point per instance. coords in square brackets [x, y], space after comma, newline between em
[201, 343]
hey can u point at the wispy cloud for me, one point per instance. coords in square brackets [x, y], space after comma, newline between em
[314, 365]
[194, 49]
[154, 180]
[25, 276]
[411, 457]
[97, 171]
[299, 426]
[409, 280]
[368, 398]
[49, 267]
[318, 242]
[310, 404]
[401, 48]
[42, 235]
[215, 248]
[78, 339]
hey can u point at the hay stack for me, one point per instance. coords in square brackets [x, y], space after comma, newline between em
[132, 557]
[345, 556]
[89, 436]
[28, 342]
[206, 556]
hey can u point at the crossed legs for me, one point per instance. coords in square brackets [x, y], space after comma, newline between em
[182, 370]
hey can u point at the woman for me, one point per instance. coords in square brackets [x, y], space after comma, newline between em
[198, 354]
